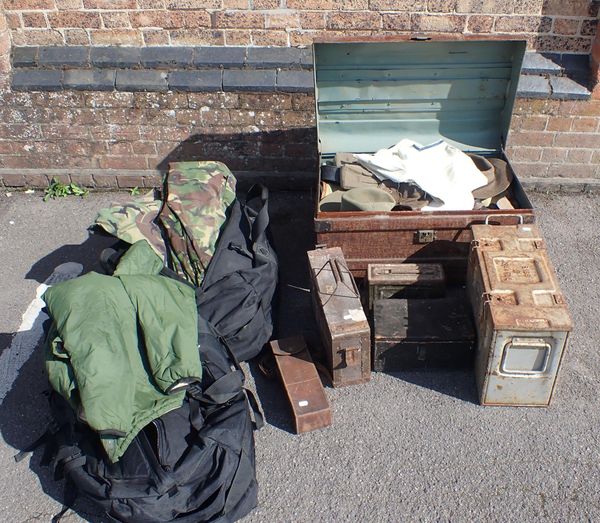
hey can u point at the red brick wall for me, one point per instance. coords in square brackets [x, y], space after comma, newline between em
[107, 138]
[548, 25]
[4, 51]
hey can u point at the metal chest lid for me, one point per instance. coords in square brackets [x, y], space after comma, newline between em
[370, 95]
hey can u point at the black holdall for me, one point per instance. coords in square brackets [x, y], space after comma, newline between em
[193, 464]
[239, 285]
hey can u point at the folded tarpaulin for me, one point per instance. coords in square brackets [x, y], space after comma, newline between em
[184, 226]
[123, 348]
[441, 170]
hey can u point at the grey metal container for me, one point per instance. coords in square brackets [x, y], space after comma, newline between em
[522, 320]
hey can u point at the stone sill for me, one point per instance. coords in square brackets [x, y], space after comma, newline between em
[257, 69]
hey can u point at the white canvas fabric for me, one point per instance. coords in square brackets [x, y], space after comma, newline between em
[440, 169]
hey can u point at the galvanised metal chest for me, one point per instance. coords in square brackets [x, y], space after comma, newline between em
[370, 95]
[343, 325]
[522, 320]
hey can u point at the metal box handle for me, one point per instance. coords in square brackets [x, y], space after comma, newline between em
[487, 218]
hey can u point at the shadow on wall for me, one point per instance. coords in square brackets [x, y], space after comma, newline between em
[283, 151]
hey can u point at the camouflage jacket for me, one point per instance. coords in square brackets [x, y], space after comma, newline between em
[184, 226]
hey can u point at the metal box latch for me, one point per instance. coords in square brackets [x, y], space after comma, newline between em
[425, 236]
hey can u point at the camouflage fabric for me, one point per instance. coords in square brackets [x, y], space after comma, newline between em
[185, 226]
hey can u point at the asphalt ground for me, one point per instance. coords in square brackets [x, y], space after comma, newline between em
[405, 447]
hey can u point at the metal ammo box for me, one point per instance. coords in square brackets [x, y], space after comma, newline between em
[344, 328]
[522, 320]
[370, 95]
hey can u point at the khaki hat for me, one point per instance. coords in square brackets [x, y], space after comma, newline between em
[332, 202]
[499, 177]
[367, 199]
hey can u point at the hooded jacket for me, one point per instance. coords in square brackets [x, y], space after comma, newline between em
[123, 348]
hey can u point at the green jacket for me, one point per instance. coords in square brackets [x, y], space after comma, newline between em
[122, 348]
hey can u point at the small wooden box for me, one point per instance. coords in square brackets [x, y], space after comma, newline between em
[520, 313]
[302, 384]
[423, 333]
[343, 326]
[405, 280]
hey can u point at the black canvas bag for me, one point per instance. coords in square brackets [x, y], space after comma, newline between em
[193, 464]
[238, 289]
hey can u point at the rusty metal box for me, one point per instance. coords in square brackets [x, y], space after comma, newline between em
[405, 280]
[522, 320]
[423, 333]
[303, 388]
[371, 94]
[343, 326]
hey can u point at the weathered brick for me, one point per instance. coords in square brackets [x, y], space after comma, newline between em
[441, 6]
[132, 80]
[32, 80]
[398, 21]
[527, 154]
[114, 99]
[270, 37]
[68, 56]
[585, 124]
[580, 108]
[76, 37]
[532, 138]
[567, 44]
[398, 5]
[580, 155]
[282, 21]
[38, 181]
[196, 37]
[193, 4]
[312, 20]
[530, 123]
[236, 4]
[295, 81]
[239, 20]
[589, 27]
[554, 155]
[115, 56]
[116, 37]
[109, 4]
[559, 123]
[220, 100]
[106, 181]
[85, 19]
[265, 4]
[90, 79]
[204, 80]
[596, 157]
[124, 162]
[584, 140]
[155, 37]
[574, 170]
[34, 20]
[485, 6]
[151, 4]
[25, 56]
[170, 19]
[84, 180]
[249, 80]
[21, 5]
[450, 23]
[68, 5]
[566, 26]
[480, 24]
[566, 7]
[353, 20]
[13, 180]
[114, 20]
[219, 56]
[233, 37]
[13, 20]
[22, 37]
[525, 170]
[166, 57]
[275, 102]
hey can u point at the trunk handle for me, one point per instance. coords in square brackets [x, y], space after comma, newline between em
[487, 218]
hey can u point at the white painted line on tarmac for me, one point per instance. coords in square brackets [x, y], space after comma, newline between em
[30, 331]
